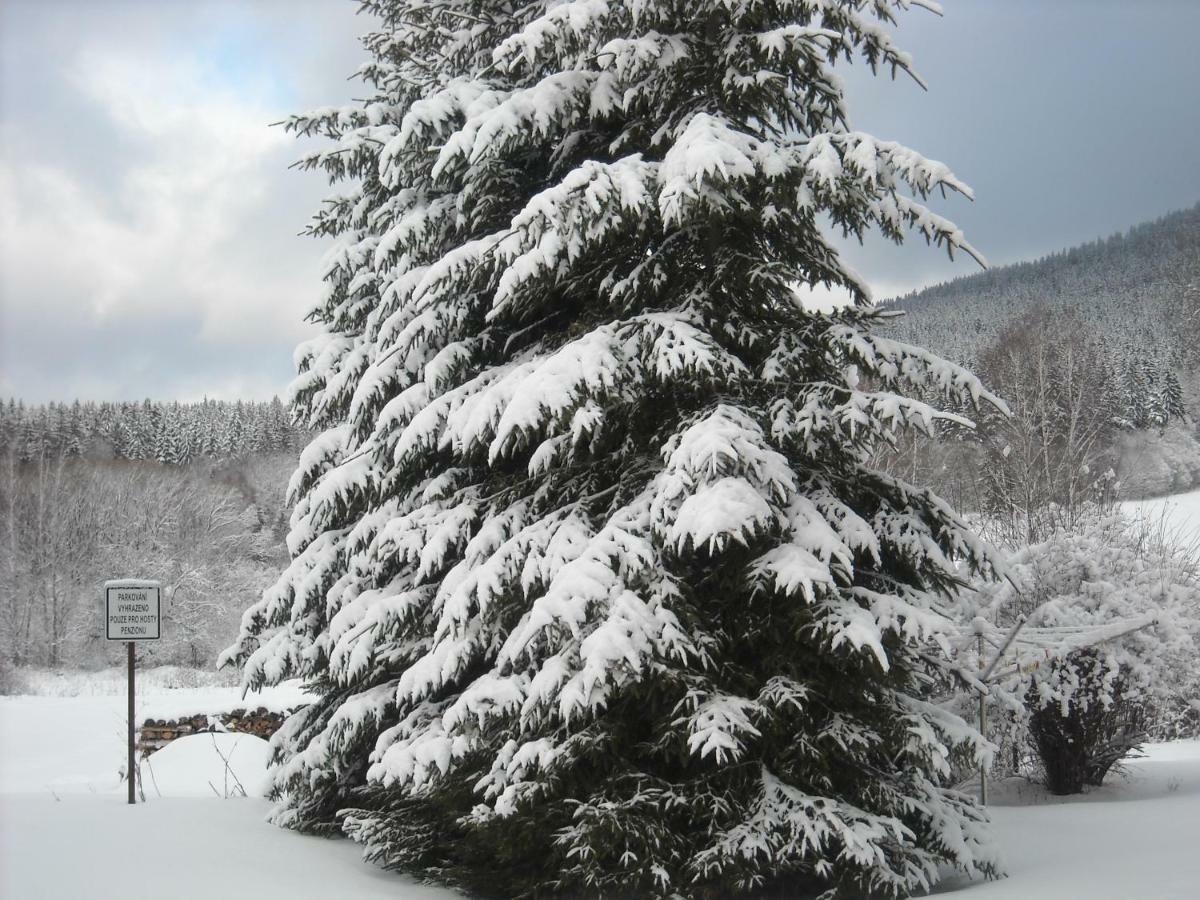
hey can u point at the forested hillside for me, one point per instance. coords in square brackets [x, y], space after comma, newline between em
[189, 494]
[1096, 349]
[1136, 297]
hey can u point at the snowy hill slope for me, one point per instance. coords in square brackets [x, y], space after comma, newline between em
[1132, 288]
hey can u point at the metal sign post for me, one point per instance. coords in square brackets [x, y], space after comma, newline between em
[131, 764]
[132, 613]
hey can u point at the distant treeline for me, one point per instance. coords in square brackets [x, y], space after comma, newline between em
[170, 433]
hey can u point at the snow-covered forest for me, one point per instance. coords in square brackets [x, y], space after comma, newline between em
[1137, 294]
[193, 493]
[1094, 349]
[170, 433]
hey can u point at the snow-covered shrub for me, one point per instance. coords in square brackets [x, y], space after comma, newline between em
[1154, 463]
[1090, 692]
[592, 574]
[1179, 716]
[1078, 741]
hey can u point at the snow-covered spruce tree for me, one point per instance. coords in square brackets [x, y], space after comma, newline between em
[590, 574]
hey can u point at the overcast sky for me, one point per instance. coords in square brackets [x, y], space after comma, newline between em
[148, 219]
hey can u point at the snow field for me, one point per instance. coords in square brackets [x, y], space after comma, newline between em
[154, 681]
[66, 831]
[1178, 514]
[96, 847]
[1135, 838]
[77, 743]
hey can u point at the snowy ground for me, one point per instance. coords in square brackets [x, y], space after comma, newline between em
[1178, 514]
[72, 736]
[97, 847]
[66, 832]
[1136, 837]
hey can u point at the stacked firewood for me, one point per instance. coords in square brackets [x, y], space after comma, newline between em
[154, 734]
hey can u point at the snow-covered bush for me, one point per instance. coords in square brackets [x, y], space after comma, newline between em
[1078, 741]
[592, 574]
[1090, 693]
[1179, 716]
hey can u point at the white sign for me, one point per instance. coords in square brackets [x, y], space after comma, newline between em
[132, 610]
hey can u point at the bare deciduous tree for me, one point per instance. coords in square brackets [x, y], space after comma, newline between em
[1044, 464]
[70, 523]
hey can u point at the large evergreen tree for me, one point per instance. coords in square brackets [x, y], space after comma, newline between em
[591, 574]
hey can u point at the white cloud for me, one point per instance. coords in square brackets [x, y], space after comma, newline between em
[144, 194]
[174, 213]
[209, 156]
